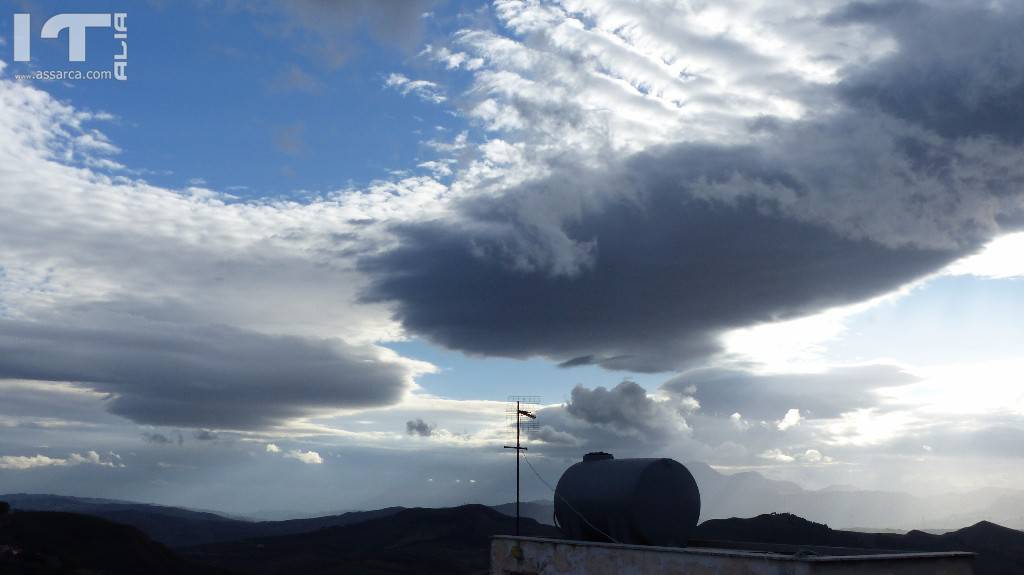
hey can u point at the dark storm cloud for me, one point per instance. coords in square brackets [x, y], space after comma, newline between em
[625, 407]
[552, 436]
[621, 419]
[37, 403]
[161, 372]
[957, 70]
[419, 427]
[872, 12]
[659, 275]
[644, 262]
[722, 392]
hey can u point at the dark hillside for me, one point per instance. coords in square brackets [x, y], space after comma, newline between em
[422, 541]
[52, 543]
[176, 527]
[1000, 550]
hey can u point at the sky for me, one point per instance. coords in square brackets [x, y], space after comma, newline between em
[298, 260]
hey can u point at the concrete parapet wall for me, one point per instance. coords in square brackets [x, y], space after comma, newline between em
[537, 556]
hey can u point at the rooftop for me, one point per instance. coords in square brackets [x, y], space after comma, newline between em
[512, 555]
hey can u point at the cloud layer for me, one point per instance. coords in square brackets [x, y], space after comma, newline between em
[642, 259]
[23, 462]
[186, 308]
[167, 373]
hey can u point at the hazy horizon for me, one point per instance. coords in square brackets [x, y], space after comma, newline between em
[723, 497]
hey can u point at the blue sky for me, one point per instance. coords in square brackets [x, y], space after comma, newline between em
[265, 117]
[949, 319]
[349, 231]
[240, 101]
[467, 377]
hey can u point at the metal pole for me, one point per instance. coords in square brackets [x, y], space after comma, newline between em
[518, 447]
[517, 467]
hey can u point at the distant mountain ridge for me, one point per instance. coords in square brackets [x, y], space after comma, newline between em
[59, 543]
[177, 527]
[748, 494]
[744, 494]
[1000, 550]
[422, 541]
[538, 510]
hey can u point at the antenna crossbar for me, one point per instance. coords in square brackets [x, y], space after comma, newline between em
[515, 417]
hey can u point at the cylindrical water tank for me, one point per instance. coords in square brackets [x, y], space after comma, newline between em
[636, 501]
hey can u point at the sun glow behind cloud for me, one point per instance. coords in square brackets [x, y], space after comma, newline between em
[1003, 258]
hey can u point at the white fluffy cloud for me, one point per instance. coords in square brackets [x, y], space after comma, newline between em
[809, 456]
[23, 462]
[112, 262]
[791, 419]
[777, 455]
[307, 457]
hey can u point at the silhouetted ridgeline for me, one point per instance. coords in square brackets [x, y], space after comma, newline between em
[749, 494]
[422, 541]
[394, 541]
[178, 527]
[1000, 550]
[57, 543]
[539, 511]
[722, 495]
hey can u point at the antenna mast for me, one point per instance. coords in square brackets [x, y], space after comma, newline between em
[519, 407]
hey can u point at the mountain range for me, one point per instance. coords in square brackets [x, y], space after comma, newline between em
[749, 493]
[744, 494]
[422, 541]
[61, 534]
[59, 543]
[1000, 550]
[177, 527]
[447, 540]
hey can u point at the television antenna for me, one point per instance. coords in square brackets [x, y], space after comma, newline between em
[520, 407]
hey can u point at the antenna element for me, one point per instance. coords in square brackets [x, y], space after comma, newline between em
[520, 406]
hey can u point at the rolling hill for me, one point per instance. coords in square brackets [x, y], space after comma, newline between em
[422, 541]
[1000, 550]
[53, 542]
[419, 540]
[744, 494]
[748, 494]
[177, 527]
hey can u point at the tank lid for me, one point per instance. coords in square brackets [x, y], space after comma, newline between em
[597, 456]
